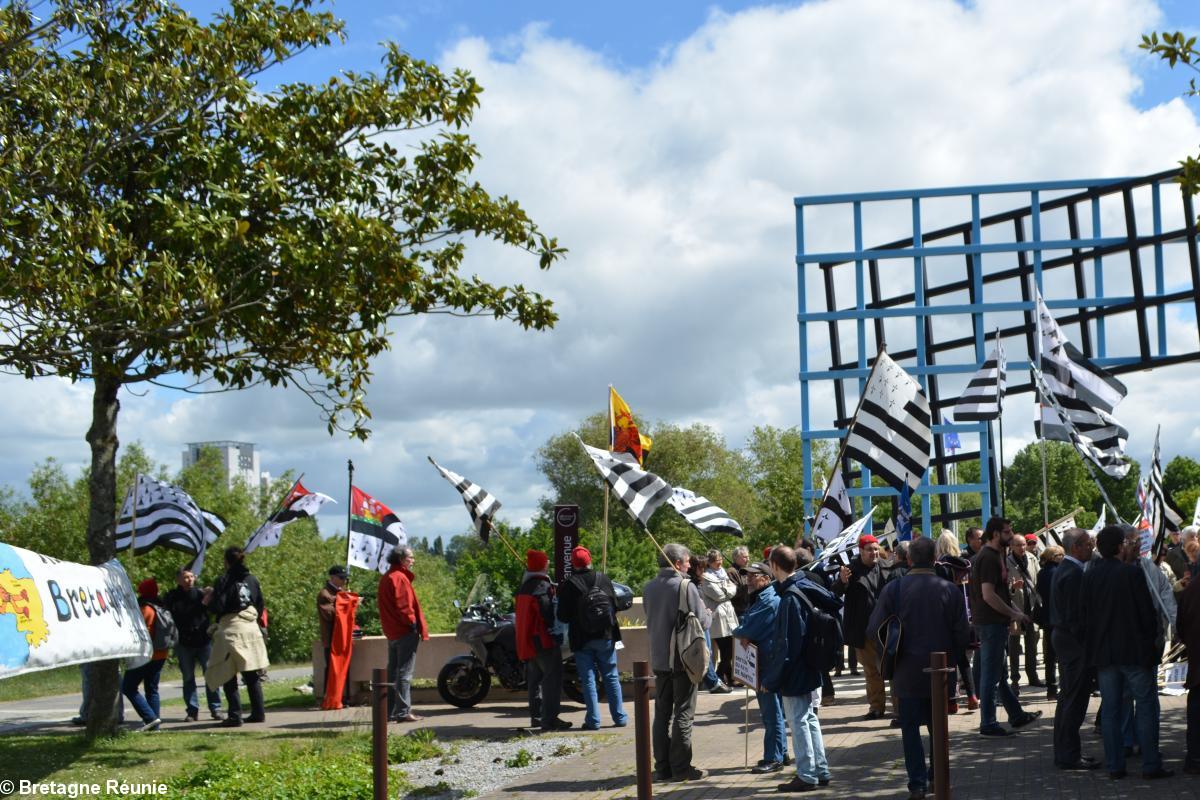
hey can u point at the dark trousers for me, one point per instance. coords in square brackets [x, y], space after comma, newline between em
[674, 708]
[724, 647]
[233, 700]
[1192, 759]
[1074, 692]
[1025, 641]
[916, 712]
[965, 673]
[1050, 658]
[543, 679]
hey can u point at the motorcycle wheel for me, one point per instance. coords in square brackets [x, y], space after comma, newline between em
[463, 685]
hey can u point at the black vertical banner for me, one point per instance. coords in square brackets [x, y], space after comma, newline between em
[566, 536]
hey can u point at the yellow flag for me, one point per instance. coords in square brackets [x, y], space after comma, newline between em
[623, 432]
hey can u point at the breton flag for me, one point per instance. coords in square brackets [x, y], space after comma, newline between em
[844, 547]
[890, 434]
[374, 531]
[703, 514]
[642, 492]
[1164, 514]
[299, 504]
[1053, 533]
[983, 399]
[889, 534]
[1100, 521]
[480, 505]
[623, 434]
[836, 514]
[166, 516]
[1080, 401]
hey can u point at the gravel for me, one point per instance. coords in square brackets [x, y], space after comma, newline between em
[472, 767]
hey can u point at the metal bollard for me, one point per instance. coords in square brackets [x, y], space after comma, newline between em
[641, 728]
[379, 732]
[940, 727]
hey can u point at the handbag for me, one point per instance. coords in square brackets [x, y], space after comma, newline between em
[889, 635]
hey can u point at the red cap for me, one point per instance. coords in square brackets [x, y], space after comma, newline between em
[1031, 538]
[867, 538]
[148, 589]
[536, 560]
[580, 558]
[767, 552]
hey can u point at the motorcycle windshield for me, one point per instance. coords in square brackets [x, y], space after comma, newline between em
[479, 590]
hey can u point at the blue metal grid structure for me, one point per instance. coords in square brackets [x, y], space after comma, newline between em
[943, 292]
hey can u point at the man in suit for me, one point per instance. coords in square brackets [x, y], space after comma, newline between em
[1066, 623]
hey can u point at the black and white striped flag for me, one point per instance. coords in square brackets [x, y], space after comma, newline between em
[1164, 514]
[300, 503]
[844, 547]
[890, 435]
[983, 399]
[640, 491]
[166, 516]
[703, 514]
[836, 514]
[1081, 399]
[480, 505]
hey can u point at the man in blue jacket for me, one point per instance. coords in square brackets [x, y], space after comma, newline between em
[758, 627]
[789, 673]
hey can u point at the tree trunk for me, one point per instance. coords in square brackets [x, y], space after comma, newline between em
[102, 523]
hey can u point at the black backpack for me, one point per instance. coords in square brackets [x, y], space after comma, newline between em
[822, 637]
[596, 612]
[165, 634]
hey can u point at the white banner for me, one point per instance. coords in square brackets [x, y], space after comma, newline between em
[54, 613]
[745, 664]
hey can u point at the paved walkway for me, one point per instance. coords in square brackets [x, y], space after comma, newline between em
[865, 757]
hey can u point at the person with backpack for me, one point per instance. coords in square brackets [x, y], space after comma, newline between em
[804, 646]
[537, 646]
[186, 604]
[679, 658]
[163, 636]
[933, 618]
[236, 601]
[588, 604]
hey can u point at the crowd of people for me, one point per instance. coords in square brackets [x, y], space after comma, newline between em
[1098, 610]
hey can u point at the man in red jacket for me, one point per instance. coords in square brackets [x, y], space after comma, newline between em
[404, 626]
[537, 646]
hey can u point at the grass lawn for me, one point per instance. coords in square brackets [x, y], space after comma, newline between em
[134, 758]
[65, 680]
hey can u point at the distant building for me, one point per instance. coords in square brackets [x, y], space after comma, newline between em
[240, 460]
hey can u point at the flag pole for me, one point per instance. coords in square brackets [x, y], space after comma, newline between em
[999, 448]
[349, 505]
[503, 539]
[611, 443]
[837, 462]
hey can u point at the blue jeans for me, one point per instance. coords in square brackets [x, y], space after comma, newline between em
[993, 646]
[402, 655]
[189, 657]
[710, 678]
[600, 654]
[146, 707]
[770, 708]
[915, 712]
[1140, 682]
[807, 743]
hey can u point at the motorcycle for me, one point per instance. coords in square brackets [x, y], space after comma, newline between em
[465, 680]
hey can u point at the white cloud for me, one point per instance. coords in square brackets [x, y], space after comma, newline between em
[673, 186]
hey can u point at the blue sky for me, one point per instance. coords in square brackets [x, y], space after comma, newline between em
[663, 144]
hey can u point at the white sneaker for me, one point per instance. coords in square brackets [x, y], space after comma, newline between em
[152, 725]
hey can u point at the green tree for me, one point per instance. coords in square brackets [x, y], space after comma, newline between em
[1069, 487]
[164, 219]
[776, 460]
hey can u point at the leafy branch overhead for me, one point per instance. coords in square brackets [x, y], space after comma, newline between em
[1176, 48]
[161, 215]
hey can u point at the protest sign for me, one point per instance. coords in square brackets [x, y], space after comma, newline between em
[745, 664]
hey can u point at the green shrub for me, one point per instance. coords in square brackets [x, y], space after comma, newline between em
[415, 745]
[288, 776]
[523, 758]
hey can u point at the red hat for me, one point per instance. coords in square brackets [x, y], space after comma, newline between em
[867, 538]
[1031, 538]
[767, 552]
[148, 588]
[580, 558]
[536, 560]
